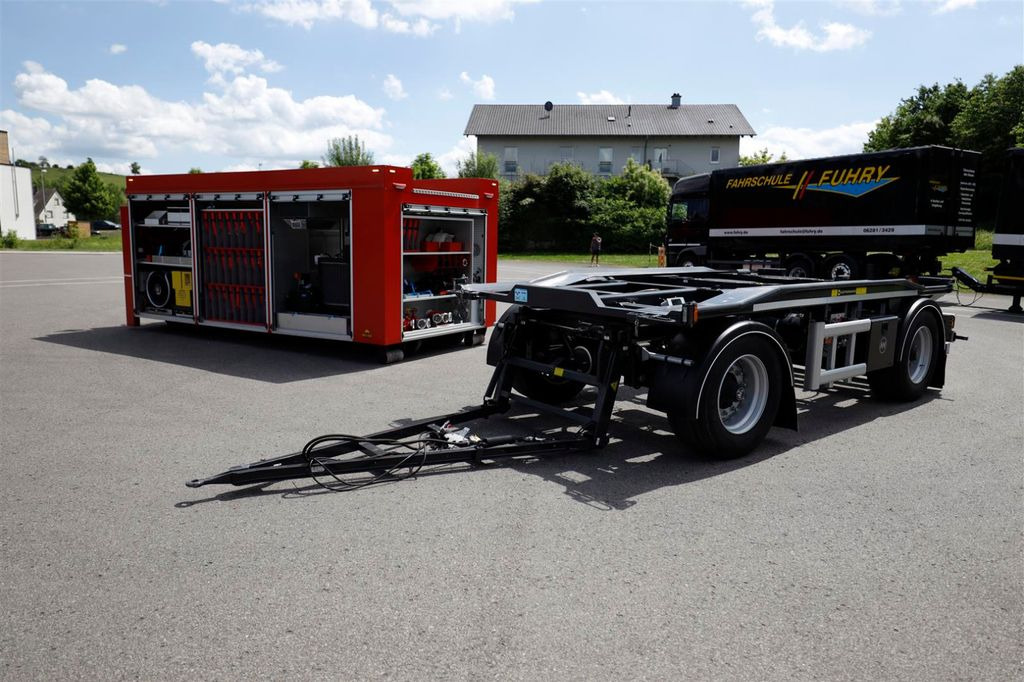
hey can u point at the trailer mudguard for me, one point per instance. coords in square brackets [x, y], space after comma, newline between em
[496, 345]
[678, 385]
[924, 306]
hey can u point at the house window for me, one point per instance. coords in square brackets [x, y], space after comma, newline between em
[56, 201]
[511, 160]
[659, 157]
[634, 153]
[604, 160]
[565, 154]
[714, 155]
[49, 214]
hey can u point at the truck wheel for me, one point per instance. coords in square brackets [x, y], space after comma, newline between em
[910, 375]
[738, 404]
[842, 266]
[688, 259]
[799, 266]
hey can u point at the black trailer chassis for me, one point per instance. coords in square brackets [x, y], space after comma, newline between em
[716, 350]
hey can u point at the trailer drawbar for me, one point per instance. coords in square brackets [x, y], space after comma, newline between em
[715, 349]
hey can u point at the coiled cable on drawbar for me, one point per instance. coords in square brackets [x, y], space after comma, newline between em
[418, 447]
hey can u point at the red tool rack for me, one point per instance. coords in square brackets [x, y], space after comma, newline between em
[364, 254]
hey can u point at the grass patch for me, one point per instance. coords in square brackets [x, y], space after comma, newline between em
[974, 261]
[108, 241]
[628, 260]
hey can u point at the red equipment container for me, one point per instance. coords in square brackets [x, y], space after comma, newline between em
[333, 253]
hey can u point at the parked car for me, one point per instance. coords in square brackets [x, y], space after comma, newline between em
[46, 229]
[98, 225]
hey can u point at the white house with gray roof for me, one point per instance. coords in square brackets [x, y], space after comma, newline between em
[676, 139]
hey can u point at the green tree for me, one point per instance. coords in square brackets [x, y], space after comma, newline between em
[921, 119]
[87, 196]
[988, 118]
[992, 117]
[195, 170]
[478, 165]
[760, 157]
[638, 185]
[347, 151]
[136, 168]
[306, 163]
[425, 168]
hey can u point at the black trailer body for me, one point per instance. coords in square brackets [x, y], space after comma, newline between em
[1008, 240]
[716, 350]
[911, 205]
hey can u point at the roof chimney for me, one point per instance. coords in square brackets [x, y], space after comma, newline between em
[5, 151]
[676, 98]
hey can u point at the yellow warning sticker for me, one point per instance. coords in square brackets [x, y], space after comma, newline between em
[558, 372]
[850, 292]
[181, 282]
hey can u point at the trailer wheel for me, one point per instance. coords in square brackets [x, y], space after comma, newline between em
[738, 403]
[799, 265]
[910, 375]
[551, 389]
[842, 266]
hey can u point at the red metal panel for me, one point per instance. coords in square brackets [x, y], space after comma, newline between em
[378, 193]
[131, 319]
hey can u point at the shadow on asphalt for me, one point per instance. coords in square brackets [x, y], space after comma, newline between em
[643, 456]
[276, 359]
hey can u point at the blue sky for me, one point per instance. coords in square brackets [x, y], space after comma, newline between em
[265, 83]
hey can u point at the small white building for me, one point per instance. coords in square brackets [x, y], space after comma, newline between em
[16, 213]
[51, 208]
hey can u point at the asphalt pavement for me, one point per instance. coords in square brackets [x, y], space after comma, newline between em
[880, 541]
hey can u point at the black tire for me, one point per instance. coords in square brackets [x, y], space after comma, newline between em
[799, 265]
[390, 356]
[908, 378]
[842, 266]
[749, 373]
[473, 338]
[547, 346]
[688, 259]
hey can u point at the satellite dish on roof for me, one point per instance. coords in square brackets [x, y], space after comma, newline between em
[548, 106]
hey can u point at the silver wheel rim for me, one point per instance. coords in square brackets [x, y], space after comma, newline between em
[841, 271]
[743, 394]
[920, 354]
[798, 271]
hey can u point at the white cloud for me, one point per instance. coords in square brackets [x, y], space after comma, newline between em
[224, 58]
[836, 36]
[600, 97]
[244, 118]
[458, 152]
[395, 160]
[393, 88]
[414, 17]
[874, 8]
[804, 143]
[444, 94]
[945, 6]
[484, 88]
[117, 48]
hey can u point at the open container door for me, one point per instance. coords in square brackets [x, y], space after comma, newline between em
[311, 266]
[443, 248]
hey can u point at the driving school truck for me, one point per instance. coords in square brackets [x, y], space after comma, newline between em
[868, 215]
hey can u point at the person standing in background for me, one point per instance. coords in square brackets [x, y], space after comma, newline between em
[595, 250]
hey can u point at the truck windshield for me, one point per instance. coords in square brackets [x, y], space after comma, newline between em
[687, 209]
